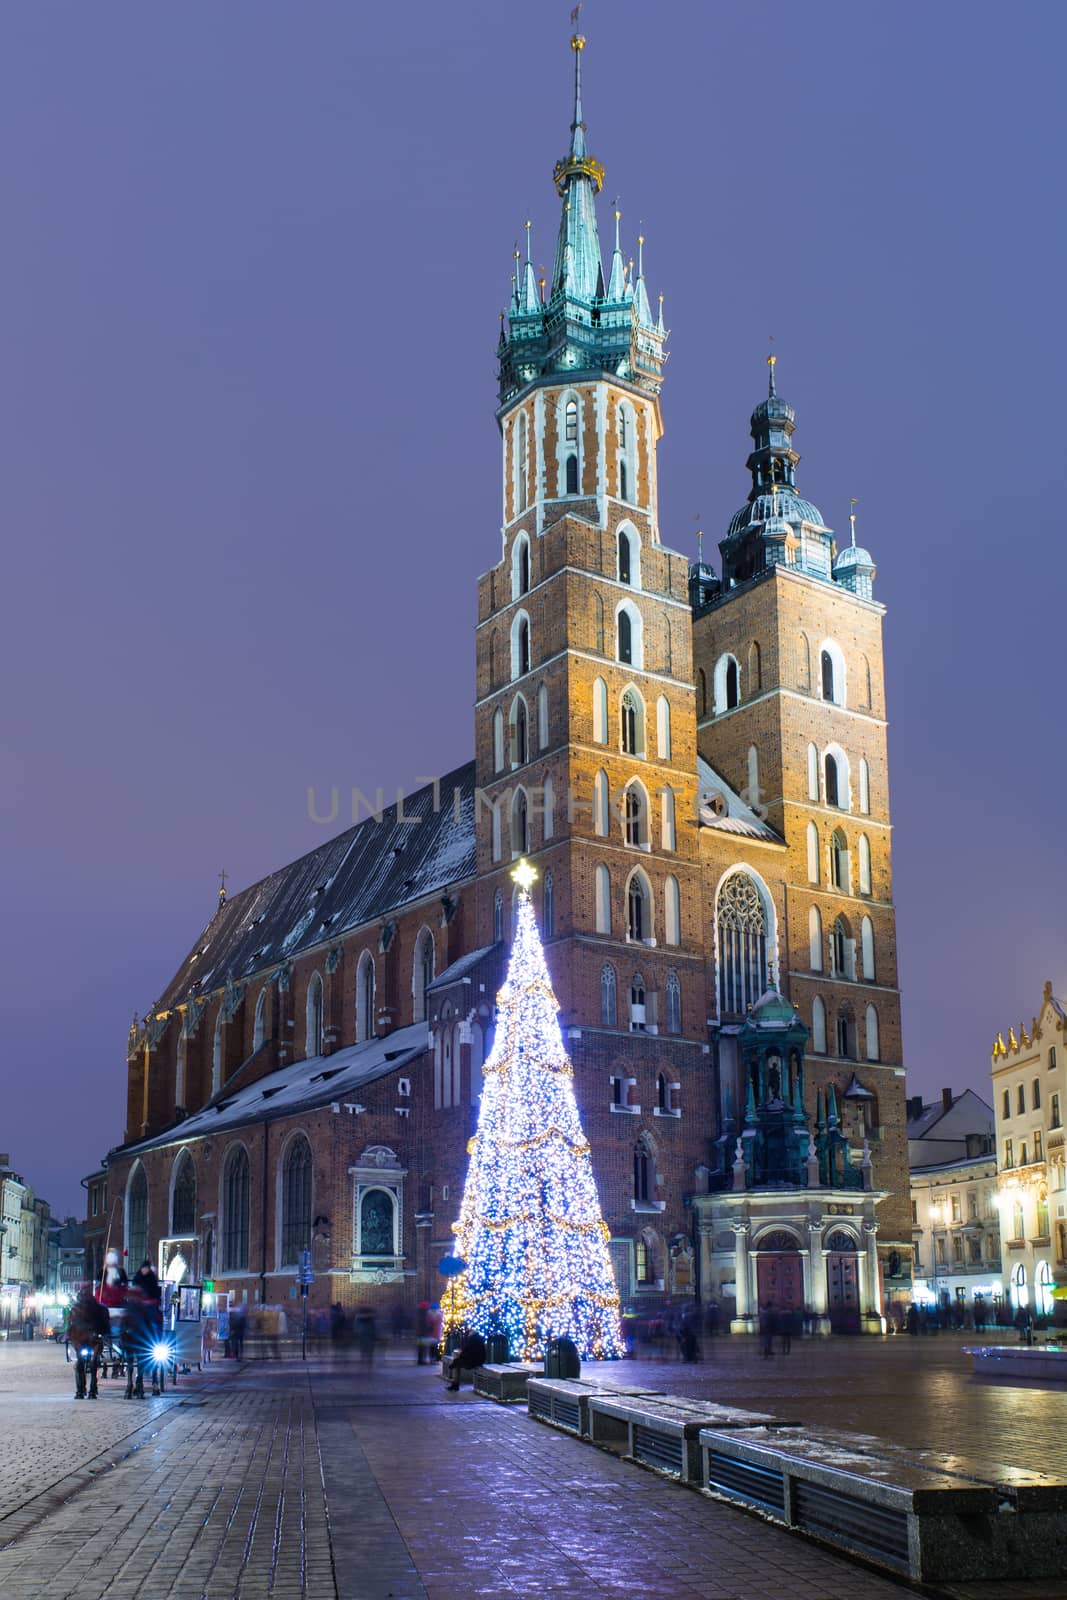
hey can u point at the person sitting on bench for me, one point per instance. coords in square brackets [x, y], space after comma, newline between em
[470, 1354]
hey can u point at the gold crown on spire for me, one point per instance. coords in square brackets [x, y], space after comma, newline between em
[578, 41]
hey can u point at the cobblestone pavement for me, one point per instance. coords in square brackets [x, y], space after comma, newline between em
[349, 1483]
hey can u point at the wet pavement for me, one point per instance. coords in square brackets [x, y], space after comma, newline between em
[356, 1483]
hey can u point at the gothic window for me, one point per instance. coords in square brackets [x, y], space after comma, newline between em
[601, 802]
[668, 837]
[179, 1064]
[548, 802]
[671, 911]
[624, 493]
[542, 716]
[519, 732]
[867, 683]
[608, 990]
[624, 556]
[235, 1211]
[638, 1015]
[183, 1196]
[365, 997]
[1035, 1095]
[872, 1034]
[548, 913]
[520, 567]
[663, 728]
[216, 1055]
[839, 950]
[422, 973]
[639, 908]
[494, 827]
[832, 672]
[442, 1061]
[865, 787]
[812, 835]
[377, 1223]
[603, 899]
[137, 1218]
[741, 922]
[818, 1027]
[632, 713]
[827, 663]
[727, 685]
[643, 1177]
[520, 645]
[867, 948]
[864, 849]
[296, 1201]
[755, 668]
[313, 1018]
[814, 939]
[642, 1263]
[636, 816]
[570, 432]
[521, 465]
[260, 1031]
[846, 1034]
[572, 475]
[498, 916]
[520, 824]
[1020, 1095]
[839, 874]
[673, 1003]
[813, 773]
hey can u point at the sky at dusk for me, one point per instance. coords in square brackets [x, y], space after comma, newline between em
[253, 260]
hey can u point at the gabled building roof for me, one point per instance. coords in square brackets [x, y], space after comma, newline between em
[729, 814]
[370, 870]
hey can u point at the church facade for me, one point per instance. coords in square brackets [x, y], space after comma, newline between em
[696, 766]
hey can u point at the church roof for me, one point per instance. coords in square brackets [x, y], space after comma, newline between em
[459, 969]
[729, 814]
[301, 1086]
[371, 869]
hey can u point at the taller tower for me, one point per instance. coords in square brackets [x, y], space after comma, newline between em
[585, 717]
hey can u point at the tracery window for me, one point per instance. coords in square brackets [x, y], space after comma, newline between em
[235, 1211]
[183, 1198]
[137, 1218]
[296, 1201]
[608, 996]
[674, 1003]
[742, 928]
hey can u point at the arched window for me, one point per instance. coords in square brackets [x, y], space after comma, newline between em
[867, 948]
[598, 610]
[846, 1034]
[813, 773]
[841, 956]
[835, 764]
[812, 836]
[627, 442]
[548, 806]
[635, 815]
[542, 716]
[498, 916]
[1043, 1302]
[871, 1031]
[235, 1211]
[702, 691]
[261, 1028]
[663, 1099]
[839, 863]
[570, 421]
[365, 997]
[743, 938]
[832, 672]
[753, 776]
[548, 912]
[137, 1218]
[803, 662]
[1035, 1095]
[313, 1018]
[296, 1201]
[624, 486]
[179, 1064]
[519, 725]
[671, 911]
[726, 686]
[632, 719]
[377, 1223]
[608, 993]
[498, 740]
[629, 635]
[600, 711]
[818, 1027]
[673, 1003]
[643, 1174]
[865, 787]
[521, 465]
[520, 645]
[520, 567]
[639, 908]
[623, 548]
[183, 1196]
[668, 832]
[442, 1061]
[603, 899]
[495, 828]
[601, 799]
[520, 823]
[755, 668]
[663, 728]
[814, 939]
[572, 475]
[864, 851]
[638, 1012]
[625, 647]
[422, 973]
[216, 1055]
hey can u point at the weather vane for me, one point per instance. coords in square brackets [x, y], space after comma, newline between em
[223, 875]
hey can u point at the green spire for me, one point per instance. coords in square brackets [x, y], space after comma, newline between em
[579, 177]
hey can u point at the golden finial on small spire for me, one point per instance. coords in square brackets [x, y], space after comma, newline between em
[852, 519]
[525, 874]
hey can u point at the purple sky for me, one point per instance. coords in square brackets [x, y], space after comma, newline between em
[253, 258]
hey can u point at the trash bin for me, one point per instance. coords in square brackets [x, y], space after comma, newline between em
[562, 1359]
[496, 1348]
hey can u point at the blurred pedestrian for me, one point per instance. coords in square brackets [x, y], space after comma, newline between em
[138, 1337]
[471, 1354]
[236, 1340]
[912, 1319]
[767, 1321]
[435, 1323]
[87, 1328]
[365, 1333]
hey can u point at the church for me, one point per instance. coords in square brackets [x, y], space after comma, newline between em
[695, 763]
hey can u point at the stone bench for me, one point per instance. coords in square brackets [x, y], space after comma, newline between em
[663, 1431]
[564, 1402]
[504, 1382]
[1008, 1363]
[889, 1506]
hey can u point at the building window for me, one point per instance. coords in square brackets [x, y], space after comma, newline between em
[1017, 1221]
[1020, 1099]
[668, 833]
[519, 732]
[183, 1197]
[600, 711]
[865, 864]
[818, 1027]
[520, 824]
[1038, 1146]
[957, 1215]
[814, 939]
[377, 1223]
[702, 690]
[642, 1270]
[672, 920]
[365, 997]
[572, 475]
[1009, 1153]
[137, 1218]
[1052, 1058]
[873, 1049]
[867, 949]
[865, 788]
[832, 673]
[235, 1211]
[642, 1173]
[636, 816]
[603, 899]
[422, 973]
[1007, 1103]
[313, 1018]
[638, 1013]
[624, 553]
[498, 916]
[663, 728]
[632, 712]
[1035, 1095]
[812, 836]
[813, 773]
[261, 1029]
[296, 1201]
[833, 786]
[1054, 1112]
[839, 873]
[839, 950]
[608, 991]
[598, 604]
[638, 902]
[548, 913]
[726, 685]
[846, 1035]
[674, 1003]
[520, 646]
[570, 432]
[542, 716]
[741, 924]
[601, 804]
[520, 570]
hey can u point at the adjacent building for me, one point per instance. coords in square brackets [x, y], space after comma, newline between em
[25, 1221]
[954, 1202]
[696, 764]
[1029, 1093]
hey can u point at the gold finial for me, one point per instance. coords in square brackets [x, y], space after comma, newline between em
[852, 519]
[578, 41]
[772, 360]
[223, 875]
[618, 216]
[525, 874]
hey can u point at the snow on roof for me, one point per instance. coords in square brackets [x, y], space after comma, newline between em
[737, 817]
[302, 1086]
[460, 968]
[369, 870]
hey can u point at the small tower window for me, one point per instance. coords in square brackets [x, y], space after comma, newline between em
[674, 1003]
[827, 675]
[626, 648]
[498, 916]
[638, 919]
[624, 556]
[731, 684]
[633, 724]
[571, 422]
[635, 816]
[642, 1173]
[572, 475]
[624, 491]
[833, 791]
[608, 989]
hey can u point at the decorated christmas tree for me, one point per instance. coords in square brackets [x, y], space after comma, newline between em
[530, 1228]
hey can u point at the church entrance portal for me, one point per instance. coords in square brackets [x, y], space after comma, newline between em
[842, 1284]
[779, 1273]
